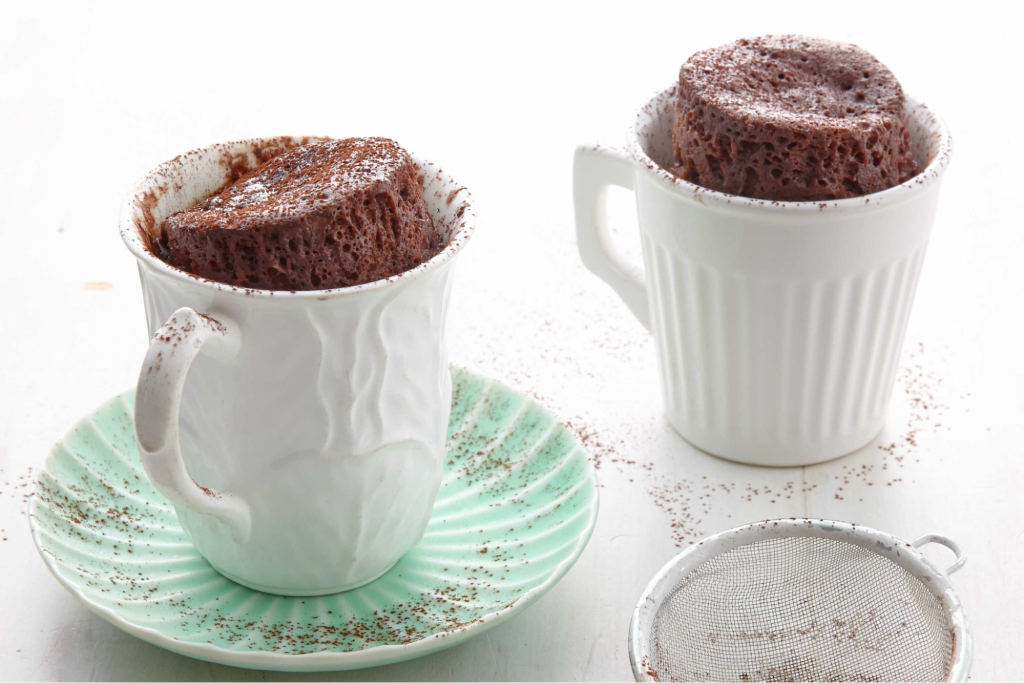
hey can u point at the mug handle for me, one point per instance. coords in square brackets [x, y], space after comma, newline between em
[594, 170]
[157, 404]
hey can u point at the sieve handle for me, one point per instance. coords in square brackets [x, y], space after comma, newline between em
[949, 543]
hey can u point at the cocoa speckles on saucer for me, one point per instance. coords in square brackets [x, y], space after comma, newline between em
[516, 505]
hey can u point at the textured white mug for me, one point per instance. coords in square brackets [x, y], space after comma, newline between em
[778, 325]
[299, 435]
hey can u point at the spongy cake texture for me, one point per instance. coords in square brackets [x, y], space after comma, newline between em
[791, 118]
[329, 214]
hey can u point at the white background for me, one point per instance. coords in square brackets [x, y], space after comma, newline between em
[93, 96]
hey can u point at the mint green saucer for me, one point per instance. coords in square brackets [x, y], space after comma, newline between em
[517, 505]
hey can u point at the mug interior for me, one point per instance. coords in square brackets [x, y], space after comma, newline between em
[192, 177]
[652, 142]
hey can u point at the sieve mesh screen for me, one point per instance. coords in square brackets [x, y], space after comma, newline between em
[801, 609]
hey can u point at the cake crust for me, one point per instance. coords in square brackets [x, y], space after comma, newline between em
[791, 118]
[328, 214]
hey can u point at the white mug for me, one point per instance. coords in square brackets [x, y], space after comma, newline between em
[778, 325]
[299, 435]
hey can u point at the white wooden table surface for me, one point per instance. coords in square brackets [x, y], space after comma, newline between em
[93, 96]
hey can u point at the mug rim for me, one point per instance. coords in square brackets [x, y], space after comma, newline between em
[131, 230]
[925, 178]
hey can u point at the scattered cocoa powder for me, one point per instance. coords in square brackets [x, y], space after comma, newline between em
[686, 503]
[19, 487]
[922, 389]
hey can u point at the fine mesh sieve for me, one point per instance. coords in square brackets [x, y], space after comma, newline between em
[802, 600]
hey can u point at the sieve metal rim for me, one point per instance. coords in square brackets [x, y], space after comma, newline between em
[904, 554]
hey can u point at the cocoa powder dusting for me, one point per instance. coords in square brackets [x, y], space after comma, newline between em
[921, 387]
[16, 487]
[686, 503]
[328, 214]
[791, 118]
[443, 607]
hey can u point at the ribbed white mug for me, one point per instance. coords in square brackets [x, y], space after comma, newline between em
[778, 325]
[299, 435]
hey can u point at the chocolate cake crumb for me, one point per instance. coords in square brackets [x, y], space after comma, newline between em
[791, 118]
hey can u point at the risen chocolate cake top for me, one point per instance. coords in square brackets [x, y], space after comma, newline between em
[323, 215]
[794, 81]
[791, 117]
[303, 181]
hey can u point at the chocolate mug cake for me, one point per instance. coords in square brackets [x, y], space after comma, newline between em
[779, 271]
[300, 435]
